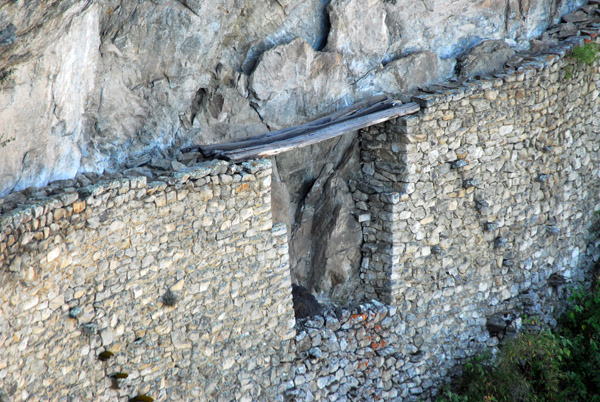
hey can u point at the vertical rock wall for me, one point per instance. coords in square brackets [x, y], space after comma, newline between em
[103, 82]
[44, 92]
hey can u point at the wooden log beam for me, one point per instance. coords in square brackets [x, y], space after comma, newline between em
[366, 106]
[321, 134]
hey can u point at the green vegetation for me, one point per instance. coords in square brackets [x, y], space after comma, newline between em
[563, 365]
[141, 398]
[568, 73]
[580, 334]
[169, 298]
[586, 53]
[106, 355]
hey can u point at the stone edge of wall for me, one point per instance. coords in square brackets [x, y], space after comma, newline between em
[26, 206]
[528, 68]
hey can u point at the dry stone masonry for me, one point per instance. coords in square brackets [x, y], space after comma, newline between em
[106, 83]
[180, 284]
[481, 205]
[171, 281]
[357, 354]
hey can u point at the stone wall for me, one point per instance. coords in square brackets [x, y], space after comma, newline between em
[357, 354]
[474, 212]
[478, 209]
[183, 279]
[106, 81]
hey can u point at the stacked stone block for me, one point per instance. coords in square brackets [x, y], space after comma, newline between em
[497, 182]
[356, 354]
[176, 288]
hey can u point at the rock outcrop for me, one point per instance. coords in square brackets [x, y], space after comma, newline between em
[289, 78]
[46, 83]
[486, 57]
[326, 236]
[410, 72]
[359, 33]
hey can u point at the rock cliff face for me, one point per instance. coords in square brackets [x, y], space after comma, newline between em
[48, 69]
[87, 86]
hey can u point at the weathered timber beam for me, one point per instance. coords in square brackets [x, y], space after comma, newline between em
[365, 106]
[319, 135]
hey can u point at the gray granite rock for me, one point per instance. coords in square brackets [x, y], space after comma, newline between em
[487, 57]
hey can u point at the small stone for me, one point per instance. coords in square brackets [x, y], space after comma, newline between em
[180, 341]
[79, 292]
[577, 16]
[542, 177]
[505, 130]
[322, 382]
[459, 163]
[315, 353]
[491, 95]
[364, 218]
[160, 163]
[484, 58]
[31, 274]
[178, 166]
[79, 207]
[299, 380]
[448, 115]
[90, 328]
[315, 322]
[332, 323]
[468, 183]
[69, 198]
[56, 302]
[500, 242]
[547, 149]
[390, 198]
[53, 254]
[107, 337]
[30, 303]
[178, 286]
[491, 226]
[404, 215]
[481, 205]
